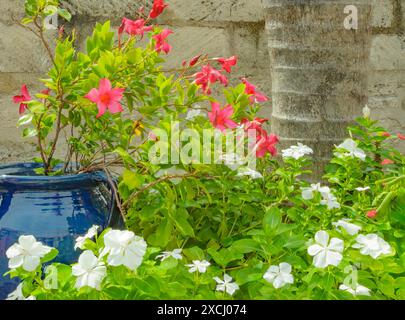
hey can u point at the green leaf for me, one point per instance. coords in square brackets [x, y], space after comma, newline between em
[271, 220]
[25, 119]
[180, 220]
[246, 246]
[30, 132]
[64, 14]
[132, 180]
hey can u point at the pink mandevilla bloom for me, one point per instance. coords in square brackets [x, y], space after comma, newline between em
[255, 124]
[106, 98]
[134, 28]
[157, 9]
[161, 44]
[256, 97]
[207, 76]
[24, 97]
[401, 136]
[266, 144]
[227, 64]
[220, 119]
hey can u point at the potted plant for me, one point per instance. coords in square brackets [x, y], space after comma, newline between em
[209, 211]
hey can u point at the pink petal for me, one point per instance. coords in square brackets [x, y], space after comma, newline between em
[104, 86]
[115, 107]
[102, 108]
[227, 111]
[23, 107]
[116, 94]
[93, 95]
[25, 92]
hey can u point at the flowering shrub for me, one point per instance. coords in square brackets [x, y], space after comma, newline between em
[243, 227]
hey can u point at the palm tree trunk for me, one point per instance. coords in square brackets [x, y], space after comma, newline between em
[318, 70]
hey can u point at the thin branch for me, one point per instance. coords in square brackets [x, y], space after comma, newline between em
[116, 195]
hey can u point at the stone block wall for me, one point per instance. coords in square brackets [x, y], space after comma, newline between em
[216, 27]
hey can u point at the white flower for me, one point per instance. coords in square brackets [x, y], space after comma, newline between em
[124, 248]
[173, 171]
[26, 253]
[330, 201]
[17, 294]
[89, 270]
[232, 160]
[297, 151]
[358, 291]
[308, 192]
[197, 265]
[366, 112]
[176, 254]
[279, 275]
[226, 285]
[193, 113]
[350, 228]
[89, 235]
[372, 245]
[246, 171]
[363, 188]
[326, 253]
[352, 150]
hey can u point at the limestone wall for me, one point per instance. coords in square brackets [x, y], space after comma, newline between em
[220, 28]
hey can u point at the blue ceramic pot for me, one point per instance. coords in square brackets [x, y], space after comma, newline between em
[55, 210]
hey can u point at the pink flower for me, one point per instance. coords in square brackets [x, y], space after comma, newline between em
[220, 119]
[134, 28]
[255, 124]
[106, 97]
[227, 64]
[157, 9]
[400, 136]
[256, 97]
[386, 161]
[160, 38]
[23, 98]
[266, 144]
[371, 214]
[46, 91]
[207, 76]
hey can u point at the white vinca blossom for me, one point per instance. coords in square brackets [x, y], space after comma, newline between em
[297, 152]
[89, 235]
[326, 253]
[308, 192]
[27, 253]
[17, 294]
[176, 254]
[227, 285]
[328, 198]
[359, 290]
[124, 248]
[197, 265]
[246, 171]
[330, 201]
[372, 245]
[350, 228]
[352, 150]
[280, 275]
[89, 270]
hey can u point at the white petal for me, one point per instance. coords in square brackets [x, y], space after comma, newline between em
[285, 267]
[31, 263]
[322, 238]
[16, 262]
[333, 258]
[315, 249]
[336, 244]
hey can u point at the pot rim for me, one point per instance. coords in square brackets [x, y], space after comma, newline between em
[22, 175]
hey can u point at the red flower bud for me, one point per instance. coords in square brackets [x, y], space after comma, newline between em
[372, 214]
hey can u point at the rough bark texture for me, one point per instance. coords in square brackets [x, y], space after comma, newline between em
[318, 70]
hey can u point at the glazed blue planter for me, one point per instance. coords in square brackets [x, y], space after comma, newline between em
[56, 210]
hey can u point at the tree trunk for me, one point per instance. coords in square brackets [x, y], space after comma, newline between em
[318, 70]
